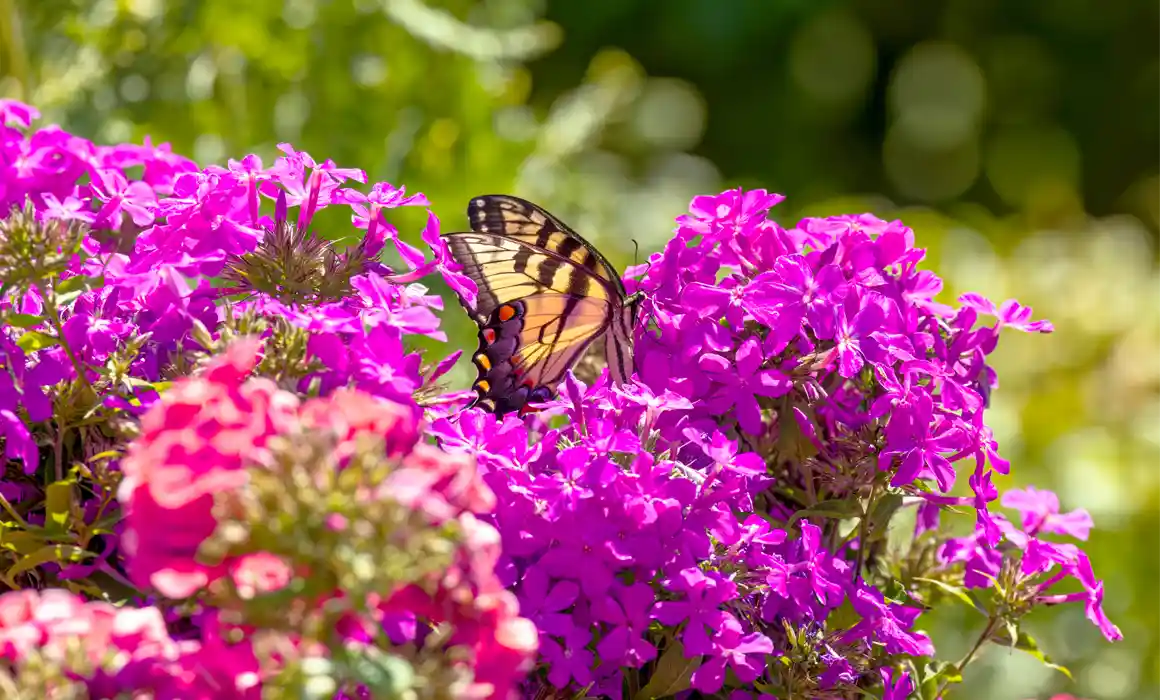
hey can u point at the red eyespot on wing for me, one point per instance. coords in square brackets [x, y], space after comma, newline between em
[488, 336]
[506, 312]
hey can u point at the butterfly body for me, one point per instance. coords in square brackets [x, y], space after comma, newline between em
[545, 296]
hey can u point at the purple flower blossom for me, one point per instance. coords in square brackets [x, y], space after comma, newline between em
[744, 654]
[741, 382]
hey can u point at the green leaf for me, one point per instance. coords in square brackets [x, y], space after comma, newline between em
[842, 617]
[73, 287]
[880, 516]
[958, 592]
[934, 675]
[57, 553]
[35, 340]
[58, 502]
[1027, 644]
[835, 508]
[22, 320]
[21, 541]
[672, 675]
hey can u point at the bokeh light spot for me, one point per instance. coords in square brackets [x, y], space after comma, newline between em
[832, 58]
[937, 94]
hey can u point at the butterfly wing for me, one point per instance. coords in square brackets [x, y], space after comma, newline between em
[537, 314]
[520, 220]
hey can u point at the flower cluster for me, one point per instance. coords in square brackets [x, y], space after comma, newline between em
[215, 457]
[52, 639]
[231, 425]
[806, 380]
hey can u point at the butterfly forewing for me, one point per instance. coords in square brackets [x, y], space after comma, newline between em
[545, 294]
[523, 221]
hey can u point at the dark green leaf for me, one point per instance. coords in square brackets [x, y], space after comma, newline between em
[884, 510]
[22, 320]
[35, 340]
[835, 508]
[672, 674]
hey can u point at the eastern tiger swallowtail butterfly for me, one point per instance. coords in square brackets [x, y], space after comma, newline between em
[545, 295]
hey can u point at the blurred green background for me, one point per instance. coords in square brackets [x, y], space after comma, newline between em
[1018, 139]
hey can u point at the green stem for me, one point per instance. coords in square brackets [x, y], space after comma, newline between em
[12, 511]
[986, 634]
[863, 526]
[52, 314]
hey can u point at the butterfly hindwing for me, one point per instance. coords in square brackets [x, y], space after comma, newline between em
[545, 294]
[526, 346]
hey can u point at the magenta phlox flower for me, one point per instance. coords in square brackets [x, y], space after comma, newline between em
[896, 685]
[568, 659]
[544, 601]
[854, 328]
[496, 444]
[16, 112]
[118, 194]
[838, 670]
[734, 299]
[700, 610]
[1040, 513]
[627, 612]
[1010, 313]
[920, 439]
[1093, 597]
[744, 654]
[388, 304]
[250, 174]
[71, 208]
[813, 572]
[724, 456]
[161, 166]
[981, 560]
[578, 473]
[383, 368]
[742, 381]
[18, 442]
[806, 296]
[580, 550]
[887, 623]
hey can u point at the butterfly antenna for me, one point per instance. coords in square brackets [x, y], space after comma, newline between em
[635, 252]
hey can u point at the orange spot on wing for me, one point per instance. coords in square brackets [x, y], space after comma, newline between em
[507, 312]
[483, 385]
[483, 362]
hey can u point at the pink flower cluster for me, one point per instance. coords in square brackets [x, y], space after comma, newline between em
[196, 445]
[122, 650]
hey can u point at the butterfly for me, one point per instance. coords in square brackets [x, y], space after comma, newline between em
[545, 295]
